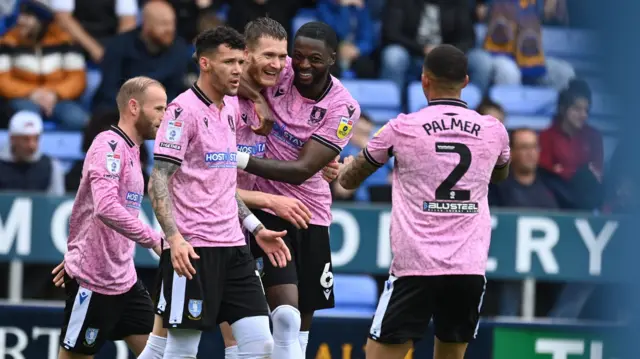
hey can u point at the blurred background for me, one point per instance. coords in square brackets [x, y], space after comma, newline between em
[532, 64]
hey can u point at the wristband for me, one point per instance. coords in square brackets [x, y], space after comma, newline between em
[242, 160]
[251, 223]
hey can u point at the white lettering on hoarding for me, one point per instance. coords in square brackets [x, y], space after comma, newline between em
[60, 225]
[383, 257]
[350, 237]
[564, 348]
[17, 227]
[595, 243]
[14, 352]
[542, 245]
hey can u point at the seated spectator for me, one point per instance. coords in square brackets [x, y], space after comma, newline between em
[188, 15]
[41, 70]
[352, 22]
[23, 166]
[241, 12]
[411, 28]
[522, 189]
[152, 50]
[99, 123]
[362, 132]
[92, 23]
[488, 107]
[571, 152]
[512, 53]
[8, 14]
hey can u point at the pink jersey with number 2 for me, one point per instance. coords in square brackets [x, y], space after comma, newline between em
[444, 157]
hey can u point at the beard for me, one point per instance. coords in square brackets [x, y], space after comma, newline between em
[144, 126]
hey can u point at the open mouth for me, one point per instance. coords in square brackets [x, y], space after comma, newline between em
[270, 73]
[235, 83]
[305, 75]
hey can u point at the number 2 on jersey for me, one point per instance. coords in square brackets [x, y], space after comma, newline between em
[445, 190]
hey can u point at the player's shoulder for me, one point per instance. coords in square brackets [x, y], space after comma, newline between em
[183, 106]
[338, 94]
[107, 141]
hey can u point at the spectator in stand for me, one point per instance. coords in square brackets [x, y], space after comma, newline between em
[40, 68]
[23, 166]
[352, 22]
[189, 13]
[411, 28]
[99, 123]
[571, 151]
[152, 50]
[8, 14]
[522, 189]
[362, 133]
[488, 107]
[242, 12]
[512, 53]
[92, 23]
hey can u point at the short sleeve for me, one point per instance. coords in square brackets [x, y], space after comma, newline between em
[380, 148]
[174, 135]
[505, 149]
[126, 7]
[62, 5]
[335, 130]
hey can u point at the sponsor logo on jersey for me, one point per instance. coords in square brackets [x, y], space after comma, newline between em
[256, 150]
[226, 159]
[450, 207]
[281, 133]
[344, 128]
[134, 200]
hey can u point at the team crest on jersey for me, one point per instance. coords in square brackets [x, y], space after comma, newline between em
[90, 336]
[344, 128]
[232, 124]
[195, 309]
[174, 131]
[317, 114]
[113, 163]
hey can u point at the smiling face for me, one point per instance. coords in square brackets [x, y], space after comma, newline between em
[311, 61]
[266, 60]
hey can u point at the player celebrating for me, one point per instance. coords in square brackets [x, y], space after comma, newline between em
[314, 115]
[210, 278]
[445, 156]
[103, 227]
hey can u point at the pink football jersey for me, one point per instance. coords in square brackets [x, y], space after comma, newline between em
[444, 157]
[247, 141]
[328, 120]
[200, 138]
[104, 220]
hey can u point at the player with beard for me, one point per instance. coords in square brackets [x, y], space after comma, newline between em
[314, 114]
[208, 273]
[104, 227]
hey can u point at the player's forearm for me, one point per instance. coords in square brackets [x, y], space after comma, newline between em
[255, 199]
[293, 172]
[161, 196]
[244, 212]
[354, 173]
[116, 217]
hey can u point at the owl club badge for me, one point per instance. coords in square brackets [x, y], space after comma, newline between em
[174, 131]
[344, 128]
[113, 163]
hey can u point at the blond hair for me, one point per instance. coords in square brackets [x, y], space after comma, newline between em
[134, 88]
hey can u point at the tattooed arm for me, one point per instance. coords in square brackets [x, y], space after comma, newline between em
[244, 212]
[354, 172]
[160, 196]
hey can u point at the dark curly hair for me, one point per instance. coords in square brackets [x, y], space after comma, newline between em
[319, 31]
[209, 40]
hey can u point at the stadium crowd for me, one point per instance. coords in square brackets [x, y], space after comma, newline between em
[63, 61]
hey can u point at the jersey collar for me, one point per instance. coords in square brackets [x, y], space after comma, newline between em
[448, 102]
[201, 96]
[124, 136]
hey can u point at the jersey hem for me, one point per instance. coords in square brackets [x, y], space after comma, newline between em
[100, 289]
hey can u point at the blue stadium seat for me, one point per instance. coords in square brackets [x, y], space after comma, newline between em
[525, 100]
[481, 31]
[355, 295]
[66, 146]
[302, 17]
[416, 100]
[563, 43]
[380, 99]
[602, 104]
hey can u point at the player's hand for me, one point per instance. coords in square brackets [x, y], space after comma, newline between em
[181, 254]
[291, 210]
[330, 172]
[265, 116]
[58, 273]
[272, 244]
